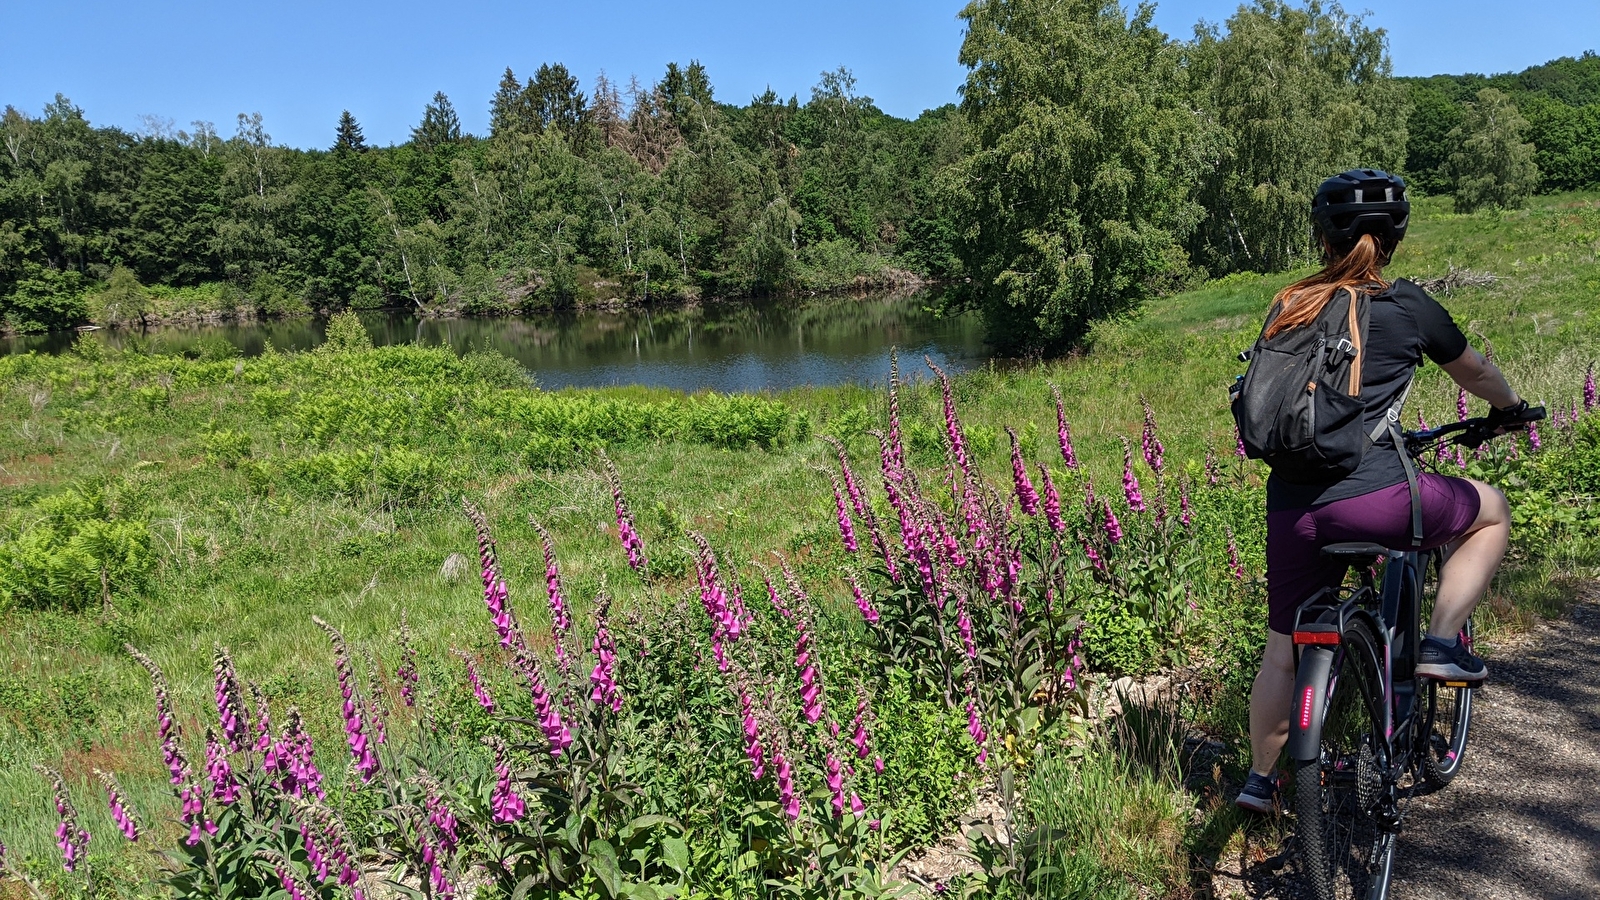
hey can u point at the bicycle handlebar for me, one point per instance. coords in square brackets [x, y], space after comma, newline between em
[1470, 433]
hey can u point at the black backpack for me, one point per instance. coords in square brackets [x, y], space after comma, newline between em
[1298, 406]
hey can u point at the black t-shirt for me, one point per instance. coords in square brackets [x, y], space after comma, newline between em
[1404, 325]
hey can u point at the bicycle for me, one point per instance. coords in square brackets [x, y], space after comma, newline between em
[1366, 734]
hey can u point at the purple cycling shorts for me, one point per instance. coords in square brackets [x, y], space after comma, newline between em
[1295, 537]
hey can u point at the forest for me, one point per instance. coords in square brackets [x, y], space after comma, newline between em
[660, 191]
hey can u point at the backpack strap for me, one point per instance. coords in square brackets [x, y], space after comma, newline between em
[1391, 425]
[1357, 338]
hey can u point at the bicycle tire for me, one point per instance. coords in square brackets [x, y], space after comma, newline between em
[1446, 712]
[1344, 851]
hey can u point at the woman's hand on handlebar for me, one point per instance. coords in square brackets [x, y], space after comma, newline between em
[1513, 418]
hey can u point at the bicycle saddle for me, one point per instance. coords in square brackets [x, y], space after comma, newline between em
[1355, 552]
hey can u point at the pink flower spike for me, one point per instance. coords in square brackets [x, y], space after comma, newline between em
[847, 528]
[786, 793]
[862, 603]
[1026, 495]
[1113, 528]
[1064, 432]
[120, 814]
[1590, 397]
[1130, 482]
[1235, 567]
[1461, 404]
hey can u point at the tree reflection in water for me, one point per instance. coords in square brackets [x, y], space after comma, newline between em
[743, 346]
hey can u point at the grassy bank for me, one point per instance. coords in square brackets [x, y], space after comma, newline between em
[179, 504]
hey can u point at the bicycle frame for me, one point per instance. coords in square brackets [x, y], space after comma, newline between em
[1393, 614]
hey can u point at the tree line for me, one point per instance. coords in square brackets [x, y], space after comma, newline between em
[1091, 163]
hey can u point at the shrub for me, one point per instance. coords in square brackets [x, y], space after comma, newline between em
[73, 550]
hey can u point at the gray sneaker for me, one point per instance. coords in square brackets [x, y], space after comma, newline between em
[1438, 660]
[1260, 794]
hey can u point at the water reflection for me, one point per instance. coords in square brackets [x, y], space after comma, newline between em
[724, 347]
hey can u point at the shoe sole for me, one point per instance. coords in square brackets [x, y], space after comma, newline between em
[1249, 804]
[1450, 672]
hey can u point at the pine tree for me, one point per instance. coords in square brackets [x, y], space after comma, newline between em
[440, 124]
[1491, 165]
[505, 112]
[348, 137]
[555, 101]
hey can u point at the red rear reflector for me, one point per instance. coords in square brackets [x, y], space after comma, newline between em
[1316, 637]
[1305, 706]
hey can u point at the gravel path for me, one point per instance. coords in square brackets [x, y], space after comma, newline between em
[1522, 820]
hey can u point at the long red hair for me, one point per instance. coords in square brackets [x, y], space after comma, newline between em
[1303, 301]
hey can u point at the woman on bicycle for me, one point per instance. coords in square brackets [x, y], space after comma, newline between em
[1360, 218]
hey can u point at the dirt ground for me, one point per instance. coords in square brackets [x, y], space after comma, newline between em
[1522, 820]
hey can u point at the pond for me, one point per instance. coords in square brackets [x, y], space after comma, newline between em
[723, 346]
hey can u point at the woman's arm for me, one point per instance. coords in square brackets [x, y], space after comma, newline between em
[1482, 378]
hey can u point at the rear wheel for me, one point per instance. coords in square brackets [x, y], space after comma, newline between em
[1337, 795]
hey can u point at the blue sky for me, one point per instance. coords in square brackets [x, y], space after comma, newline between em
[299, 63]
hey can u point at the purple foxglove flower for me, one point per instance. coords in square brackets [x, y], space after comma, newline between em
[166, 724]
[1094, 558]
[835, 782]
[810, 687]
[406, 674]
[752, 738]
[1130, 482]
[1534, 443]
[120, 813]
[1590, 398]
[786, 794]
[1052, 502]
[230, 702]
[1461, 404]
[505, 804]
[550, 721]
[70, 836]
[1238, 449]
[293, 759]
[858, 726]
[603, 676]
[443, 821]
[560, 619]
[1113, 528]
[1235, 567]
[479, 691]
[366, 762]
[856, 806]
[1154, 453]
[1183, 503]
[980, 735]
[263, 720]
[896, 447]
[952, 422]
[1064, 432]
[964, 627]
[862, 603]
[877, 764]
[847, 528]
[293, 885]
[1213, 473]
[224, 787]
[1026, 495]
[627, 531]
[852, 489]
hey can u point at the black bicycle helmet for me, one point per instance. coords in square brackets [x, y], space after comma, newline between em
[1361, 201]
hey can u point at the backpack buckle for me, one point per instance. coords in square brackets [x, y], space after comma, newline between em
[1346, 347]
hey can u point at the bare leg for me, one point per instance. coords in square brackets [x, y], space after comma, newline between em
[1270, 703]
[1471, 564]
